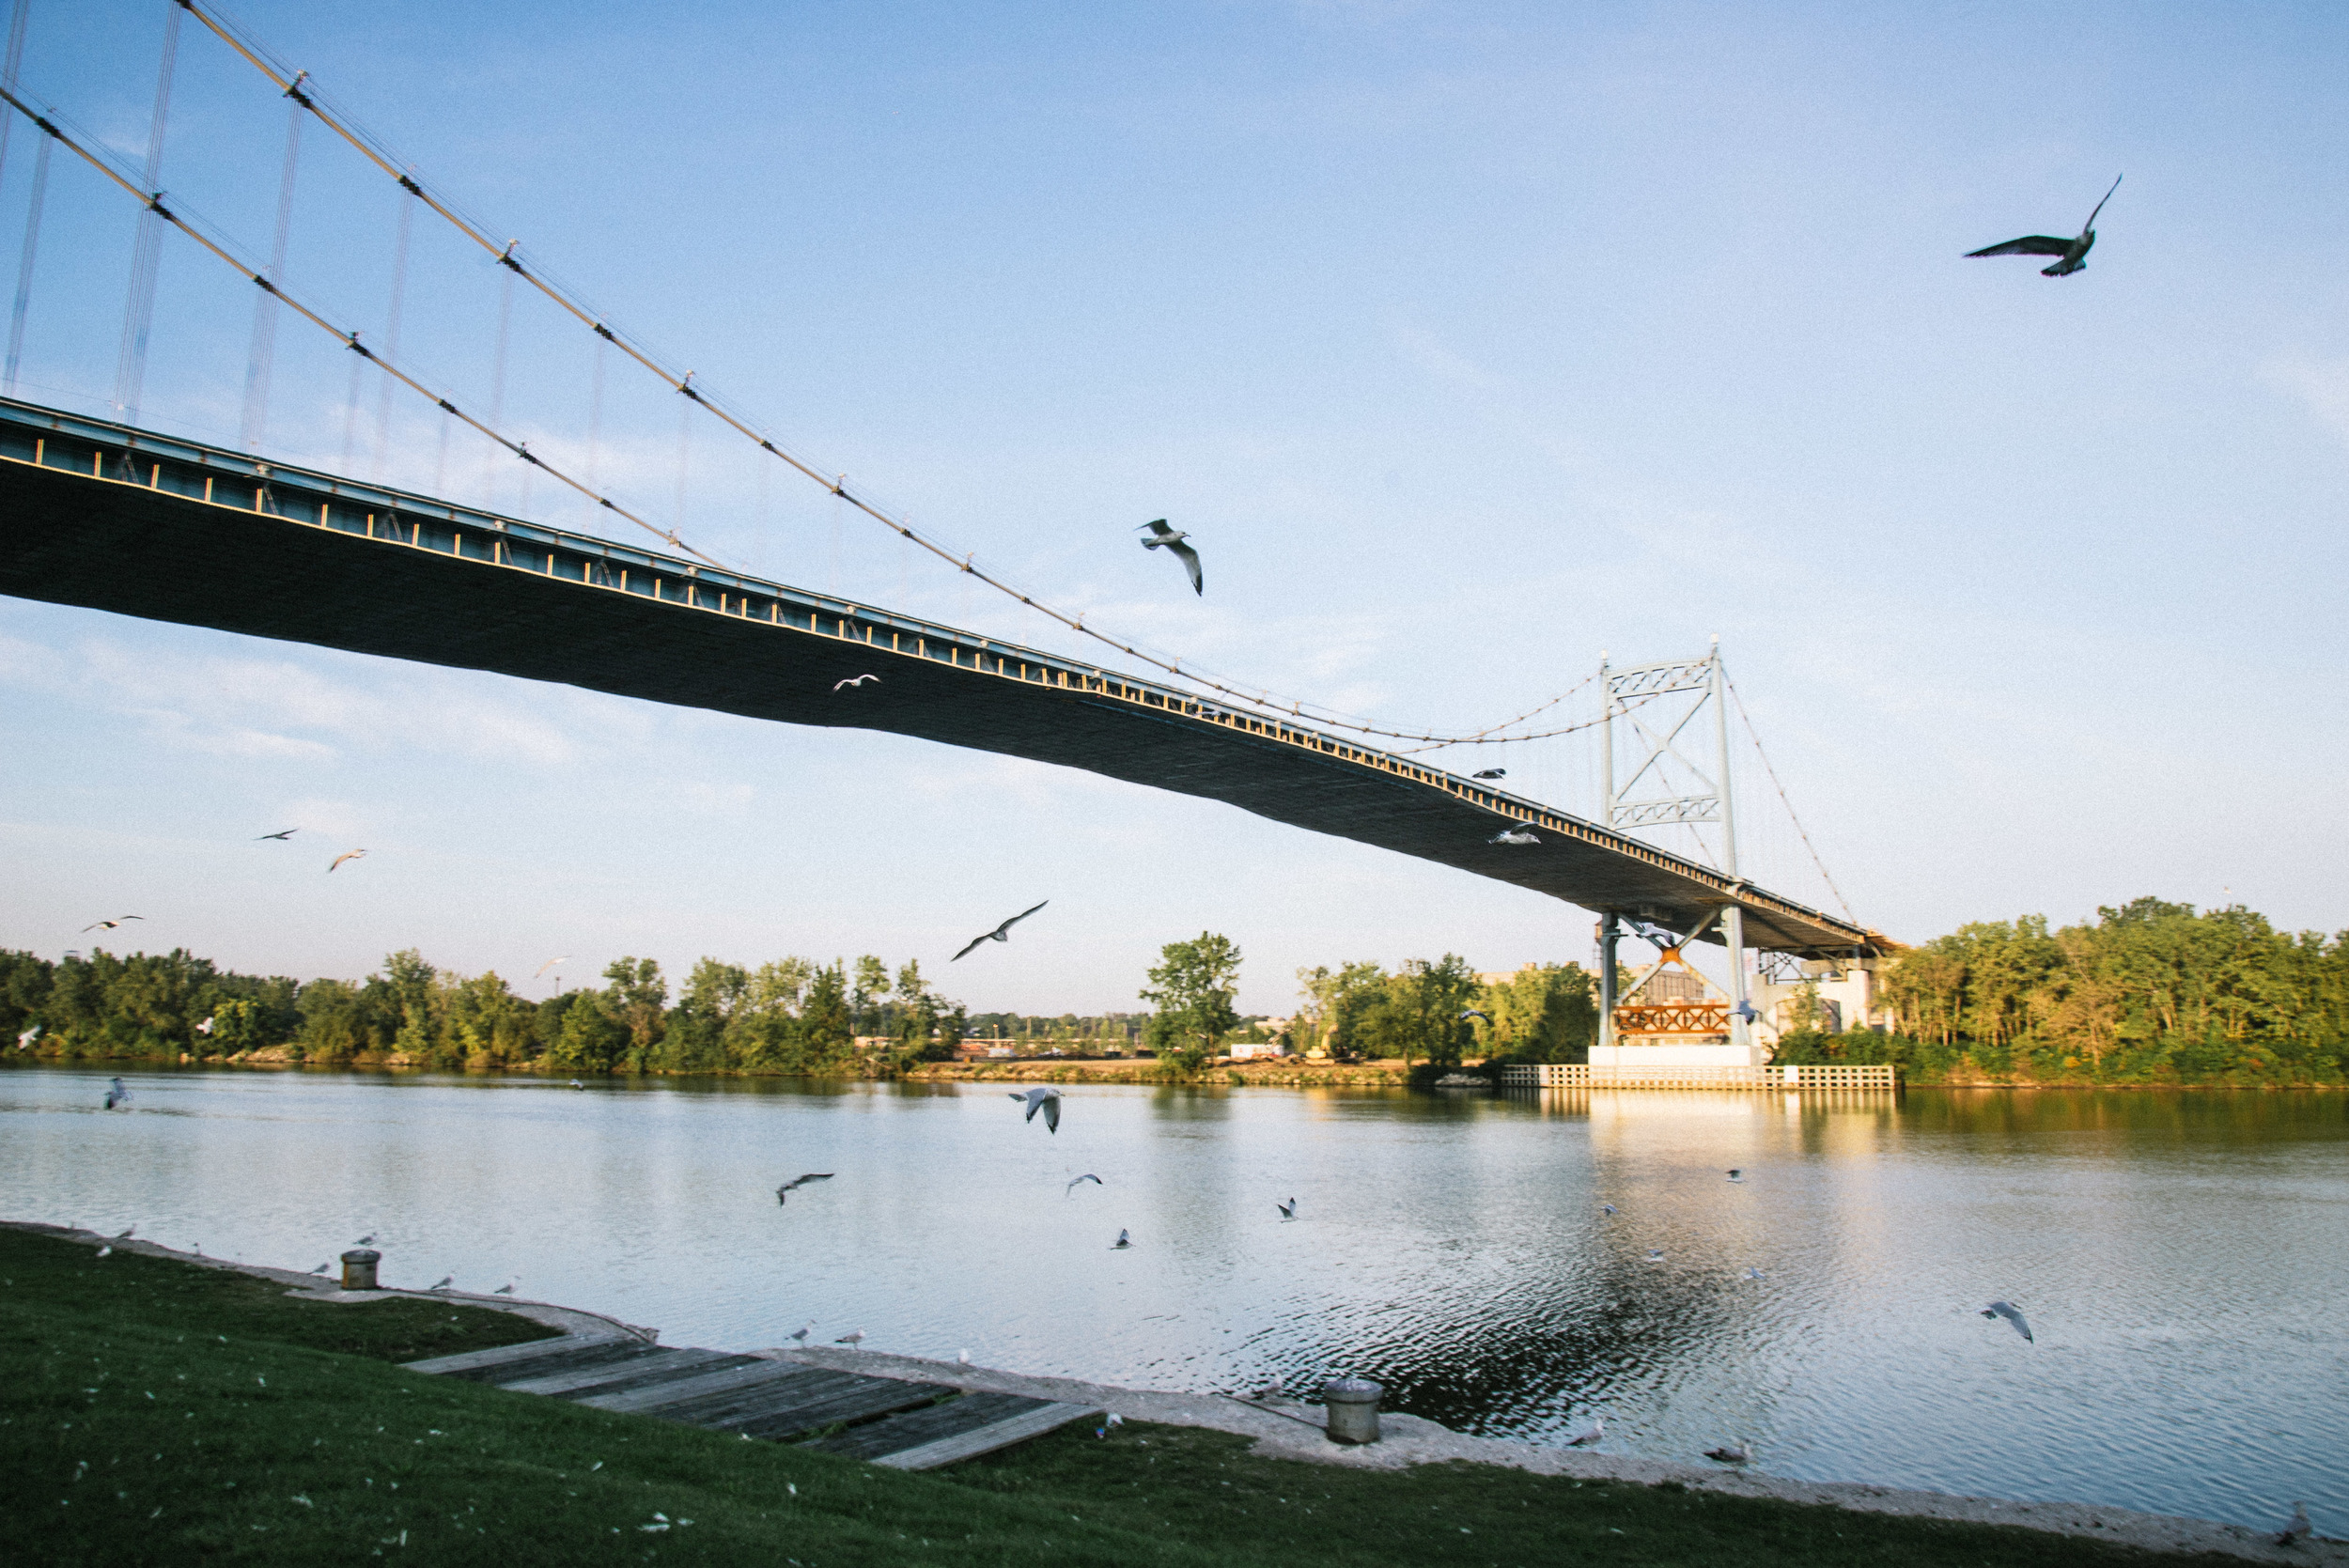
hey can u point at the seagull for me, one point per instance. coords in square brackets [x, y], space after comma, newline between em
[1162, 536]
[550, 964]
[1046, 1099]
[347, 855]
[1476, 1013]
[1288, 1210]
[1746, 1010]
[799, 1336]
[1589, 1435]
[1123, 1241]
[281, 837]
[857, 681]
[204, 1027]
[962, 1357]
[2297, 1528]
[1522, 832]
[105, 1252]
[322, 1267]
[852, 1340]
[507, 1289]
[1491, 773]
[576, 1084]
[446, 1281]
[2071, 255]
[801, 1181]
[1655, 1254]
[367, 1240]
[1752, 1273]
[1071, 1187]
[1730, 1453]
[117, 1095]
[1002, 933]
[124, 1234]
[110, 925]
[1606, 1208]
[1738, 1176]
[2008, 1310]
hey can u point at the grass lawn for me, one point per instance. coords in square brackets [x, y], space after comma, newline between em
[158, 1412]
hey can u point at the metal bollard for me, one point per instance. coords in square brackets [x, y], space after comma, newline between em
[1352, 1404]
[359, 1268]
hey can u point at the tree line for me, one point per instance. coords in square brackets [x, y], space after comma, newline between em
[793, 1016]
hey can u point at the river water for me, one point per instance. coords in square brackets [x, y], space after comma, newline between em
[2183, 1258]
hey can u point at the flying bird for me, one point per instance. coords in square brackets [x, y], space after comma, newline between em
[286, 834]
[1476, 1013]
[204, 1027]
[857, 680]
[2297, 1528]
[1736, 1175]
[347, 855]
[1491, 773]
[1655, 1255]
[1071, 1187]
[110, 925]
[801, 1181]
[1521, 833]
[550, 964]
[1730, 1453]
[576, 1084]
[852, 1340]
[1589, 1435]
[1288, 1210]
[1163, 537]
[1002, 933]
[1123, 1240]
[1047, 1099]
[1746, 1010]
[1606, 1208]
[1755, 1274]
[117, 1092]
[2071, 255]
[2008, 1310]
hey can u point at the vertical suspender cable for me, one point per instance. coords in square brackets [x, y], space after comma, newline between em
[594, 414]
[263, 354]
[19, 15]
[25, 266]
[391, 331]
[497, 387]
[147, 250]
[684, 460]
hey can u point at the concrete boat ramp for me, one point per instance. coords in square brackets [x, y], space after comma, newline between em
[905, 1424]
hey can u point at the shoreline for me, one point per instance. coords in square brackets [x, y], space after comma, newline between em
[1291, 1430]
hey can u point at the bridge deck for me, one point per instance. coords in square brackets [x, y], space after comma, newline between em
[115, 519]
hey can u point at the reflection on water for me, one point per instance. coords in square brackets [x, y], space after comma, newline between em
[2183, 1257]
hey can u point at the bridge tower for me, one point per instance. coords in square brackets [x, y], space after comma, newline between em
[1666, 786]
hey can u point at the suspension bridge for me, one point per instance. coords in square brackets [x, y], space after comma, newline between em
[107, 515]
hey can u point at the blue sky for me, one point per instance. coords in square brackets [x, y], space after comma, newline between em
[1469, 340]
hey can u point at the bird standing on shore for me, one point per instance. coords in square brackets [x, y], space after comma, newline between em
[1047, 1099]
[1001, 934]
[1589, 1435]
[801, 1181]
[2008, 1310]
[505, 1289]
[2071, 255]
[799, 1336]
[851, 1339]
[1123, 1241]
[2297, 1528]
[1730, 1453]
[446, 1281]
[1163, 537]
[367, 1240]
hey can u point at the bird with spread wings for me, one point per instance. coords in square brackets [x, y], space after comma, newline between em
[1001, 934]
[1163, 537]
[2071, 255]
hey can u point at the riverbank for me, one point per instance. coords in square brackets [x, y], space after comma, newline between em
[177, 1407]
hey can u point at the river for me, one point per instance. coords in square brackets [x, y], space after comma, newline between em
[2183, 1257]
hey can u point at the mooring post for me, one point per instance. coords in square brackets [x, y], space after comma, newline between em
[1352, 1404]
[359, 1268]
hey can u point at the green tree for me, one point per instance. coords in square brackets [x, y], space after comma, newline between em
[1191, 988]
[637, 1000]
[1542, 1013]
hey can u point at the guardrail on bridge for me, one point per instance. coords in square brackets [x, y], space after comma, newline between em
[1581, 1075]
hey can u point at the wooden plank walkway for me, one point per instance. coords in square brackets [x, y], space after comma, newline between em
[884, 1421]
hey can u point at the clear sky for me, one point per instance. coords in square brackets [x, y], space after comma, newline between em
[1469, 340]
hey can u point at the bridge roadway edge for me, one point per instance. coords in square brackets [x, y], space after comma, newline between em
[72, 534]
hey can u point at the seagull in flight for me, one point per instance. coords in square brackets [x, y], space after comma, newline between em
[857, 680]
[347, 855]
[1288, 1210]
[1002, 933]
[1123, 1241]
[1476, 1013]
[1073, 1181]
[204, 1027]
[1517, 833]
[1606, 1208]
[1752, 1273]
[118, 1093]
[801, 1181]
[550, 964]
[1163, 537]
[2008, 1310]
[280, 836]
[1655, 1255]
[1746, 1010]
[1491, 773]
[2071, 255]
[110, 925]
[1047, 1099]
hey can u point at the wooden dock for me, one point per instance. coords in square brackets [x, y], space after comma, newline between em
[883, 1421]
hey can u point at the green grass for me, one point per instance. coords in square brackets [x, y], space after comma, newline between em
[161, 1413]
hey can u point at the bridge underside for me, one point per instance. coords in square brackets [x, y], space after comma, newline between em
[124, 521]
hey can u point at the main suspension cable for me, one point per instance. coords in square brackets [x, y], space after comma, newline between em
[1755, 736]
[376, 152]
[348, 338]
